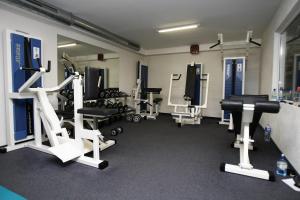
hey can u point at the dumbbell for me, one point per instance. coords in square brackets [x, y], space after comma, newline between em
[129, 117]
[102, 94]
[112, 94]
[137, 118]
[107, 94]
[116, 131]
[120, 94]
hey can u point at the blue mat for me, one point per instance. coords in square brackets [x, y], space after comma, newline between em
[6, 194]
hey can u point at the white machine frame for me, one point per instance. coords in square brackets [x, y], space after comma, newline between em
[191, 115]
[244, 167]
[62, 146]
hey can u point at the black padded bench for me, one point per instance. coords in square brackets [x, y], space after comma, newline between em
[237, 114]
[99, 112]
[246, 112]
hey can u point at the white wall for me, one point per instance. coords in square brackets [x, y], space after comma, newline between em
[17, 19]
[285, 125]
[161, 66]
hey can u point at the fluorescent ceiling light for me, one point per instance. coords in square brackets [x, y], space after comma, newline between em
[66, 45]
[180, 28]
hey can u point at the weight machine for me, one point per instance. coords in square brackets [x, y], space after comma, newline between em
[151, 102]
[25, 74]
[195, 79]
[233, 74]
[144, 97]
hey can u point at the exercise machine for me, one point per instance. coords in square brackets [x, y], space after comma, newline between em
[144, 97]
[246, 111]
[253, 125]
[24, 81]
[233, 73]
[150, 101]
[196, 83]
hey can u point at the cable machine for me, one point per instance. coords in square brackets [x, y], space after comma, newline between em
[233, 73]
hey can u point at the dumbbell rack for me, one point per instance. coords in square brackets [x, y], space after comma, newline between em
[110, 101]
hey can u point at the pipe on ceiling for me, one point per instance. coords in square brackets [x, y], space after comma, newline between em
[67, 18]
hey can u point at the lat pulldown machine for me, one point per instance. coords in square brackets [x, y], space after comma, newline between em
[194, 87]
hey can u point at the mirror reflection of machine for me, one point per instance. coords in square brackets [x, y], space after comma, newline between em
[196, 83]
[144, 97]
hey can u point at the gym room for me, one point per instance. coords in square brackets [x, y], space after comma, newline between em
[150, 100]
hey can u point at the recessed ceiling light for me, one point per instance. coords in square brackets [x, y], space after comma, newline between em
[179, 28]
[66, 45]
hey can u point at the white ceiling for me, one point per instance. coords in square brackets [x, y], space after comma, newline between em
[81, 49]
[138, 20]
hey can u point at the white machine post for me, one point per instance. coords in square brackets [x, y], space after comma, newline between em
[245, 167]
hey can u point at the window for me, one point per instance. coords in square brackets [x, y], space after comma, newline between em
[290, 60]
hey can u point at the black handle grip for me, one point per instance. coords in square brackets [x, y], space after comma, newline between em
[37, 69]
[253, 42]
[176, 79]
[213, 46]
[30, 69]
[49, 66]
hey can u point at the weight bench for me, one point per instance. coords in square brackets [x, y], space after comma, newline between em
[151, 102]
[247, 110]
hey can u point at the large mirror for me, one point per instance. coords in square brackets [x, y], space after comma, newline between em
[81, 55]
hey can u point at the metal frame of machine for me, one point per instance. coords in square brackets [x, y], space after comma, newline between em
[61, 145]
[192, 114]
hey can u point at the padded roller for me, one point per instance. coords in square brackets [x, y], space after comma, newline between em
[267, 106]
[248, 98]
[232, 105]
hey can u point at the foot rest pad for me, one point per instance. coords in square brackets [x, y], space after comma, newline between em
[67, 151]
